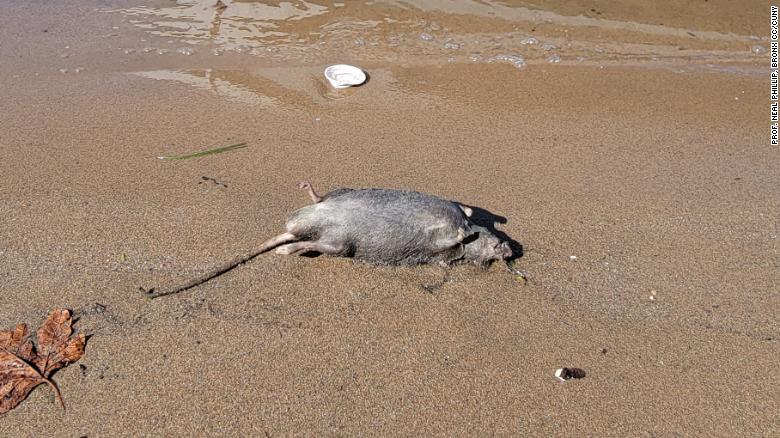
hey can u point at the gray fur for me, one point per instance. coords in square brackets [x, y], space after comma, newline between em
[379, 226]
[485, 248]
[390, 227]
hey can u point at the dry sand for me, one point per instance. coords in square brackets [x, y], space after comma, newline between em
[649, 163]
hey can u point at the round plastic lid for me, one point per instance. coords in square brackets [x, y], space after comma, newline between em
[343, 76]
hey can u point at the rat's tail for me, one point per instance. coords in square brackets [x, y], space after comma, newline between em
[222, 269]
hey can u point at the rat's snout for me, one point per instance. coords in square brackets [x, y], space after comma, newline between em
[504, 251]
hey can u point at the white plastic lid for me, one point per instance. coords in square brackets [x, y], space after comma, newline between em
[343, 76]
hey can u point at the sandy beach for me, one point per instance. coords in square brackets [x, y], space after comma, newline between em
[627, 152]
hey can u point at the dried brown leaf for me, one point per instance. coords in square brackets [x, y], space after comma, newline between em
[16, 341]
[17, 379]
[54, 350]
[22, 368]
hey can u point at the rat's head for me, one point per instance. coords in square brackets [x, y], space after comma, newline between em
[482, 247]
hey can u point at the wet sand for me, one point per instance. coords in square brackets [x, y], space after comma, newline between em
[651, 168]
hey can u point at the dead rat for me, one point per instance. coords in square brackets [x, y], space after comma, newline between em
[378, 226]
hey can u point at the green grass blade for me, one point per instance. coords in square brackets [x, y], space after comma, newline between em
[204, 153]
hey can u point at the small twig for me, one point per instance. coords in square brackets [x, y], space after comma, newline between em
[214, 180]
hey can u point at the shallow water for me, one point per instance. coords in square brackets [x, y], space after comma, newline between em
[231, 48]
[434, 31]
